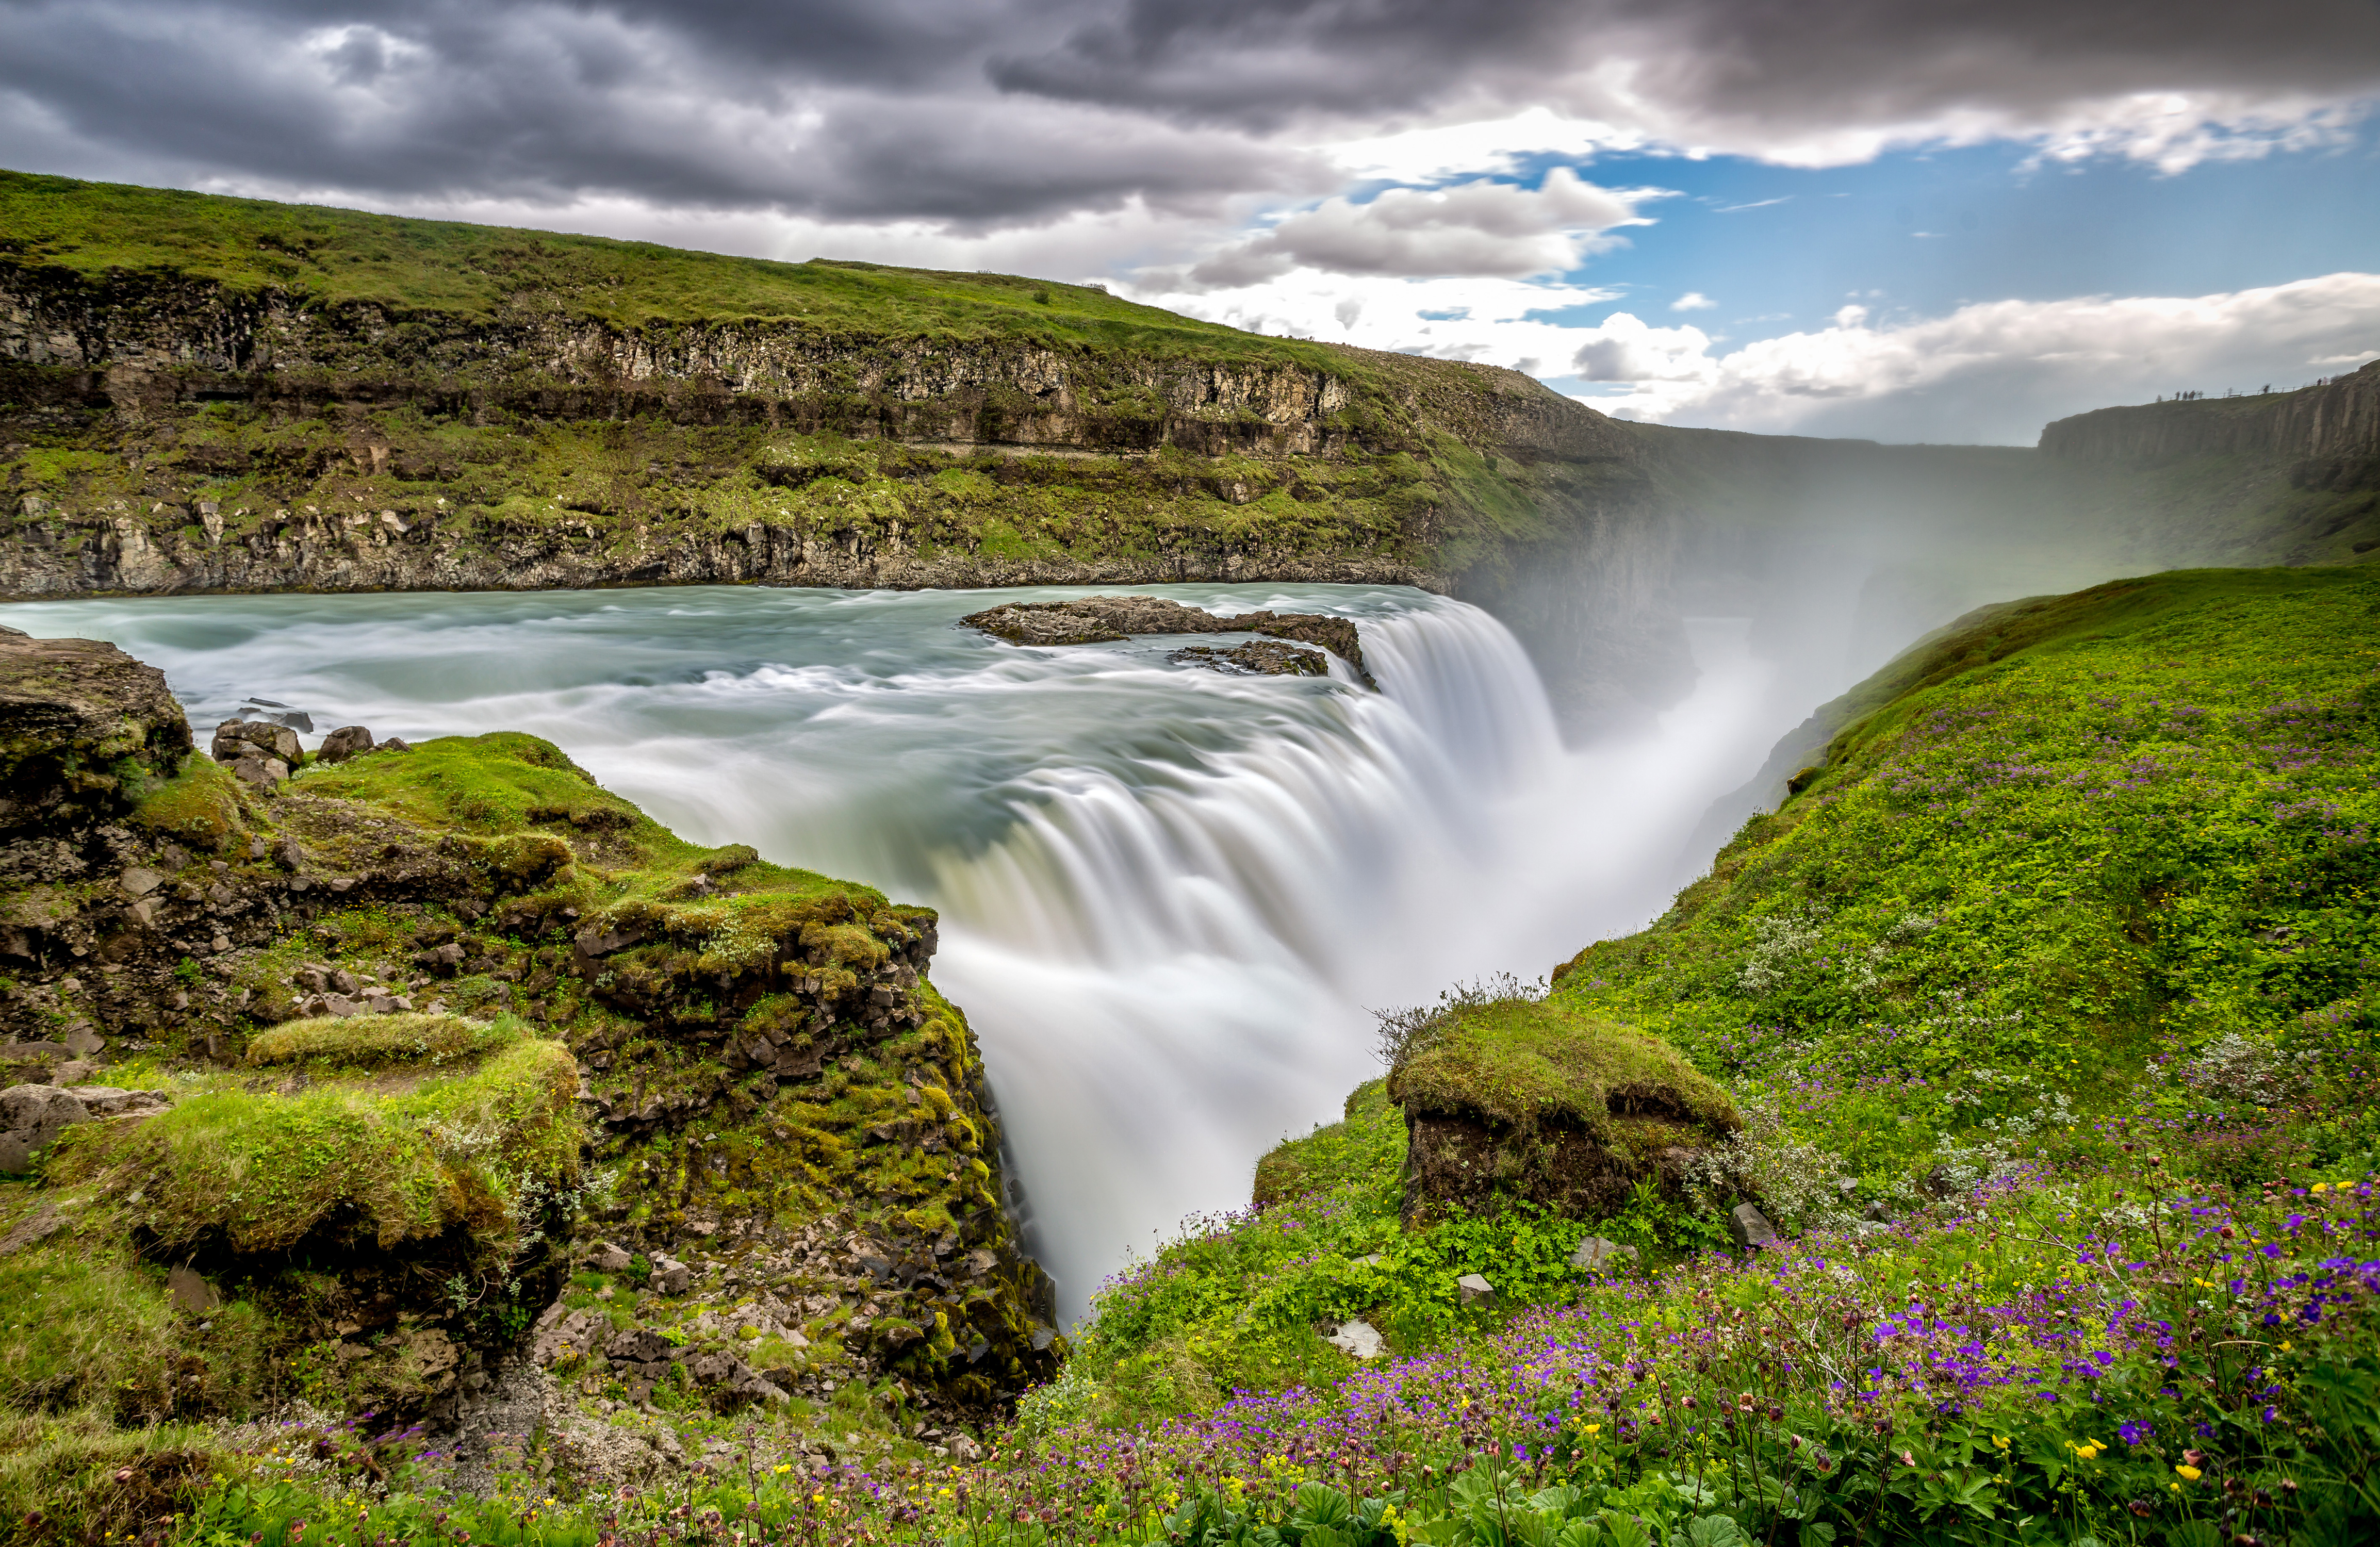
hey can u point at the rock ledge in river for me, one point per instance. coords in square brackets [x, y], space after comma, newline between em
[1092, 620]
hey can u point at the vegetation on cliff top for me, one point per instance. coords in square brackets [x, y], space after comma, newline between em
[323, 256]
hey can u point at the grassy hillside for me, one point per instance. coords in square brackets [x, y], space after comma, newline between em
[56, 229]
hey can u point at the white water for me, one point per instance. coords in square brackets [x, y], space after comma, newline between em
[1168, 895]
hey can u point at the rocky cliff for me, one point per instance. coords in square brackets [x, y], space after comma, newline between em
[2337, 421]
[439, 1077]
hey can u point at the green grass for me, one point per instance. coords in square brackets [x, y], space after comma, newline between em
[2082, 833]
[91, 232]
[200, 805]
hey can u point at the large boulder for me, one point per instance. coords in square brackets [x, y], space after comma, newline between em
[1520, 1100]
[347, 741]
[236, 738]
[79, 718]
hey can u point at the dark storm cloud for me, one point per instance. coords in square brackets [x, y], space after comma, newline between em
[842, 112]
[983, 112]
[1801, 65]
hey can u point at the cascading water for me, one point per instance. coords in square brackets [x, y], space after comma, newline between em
[1167, 894]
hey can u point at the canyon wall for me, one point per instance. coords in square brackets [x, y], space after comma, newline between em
[2339, 420]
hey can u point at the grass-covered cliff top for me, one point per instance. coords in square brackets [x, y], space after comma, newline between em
[329, 257]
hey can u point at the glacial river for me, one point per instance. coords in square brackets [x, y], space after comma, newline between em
[1168, 895]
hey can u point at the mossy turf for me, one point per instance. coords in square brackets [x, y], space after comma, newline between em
[409, 1039]
[544, 813]
[259, 1172]
[1523, 1064]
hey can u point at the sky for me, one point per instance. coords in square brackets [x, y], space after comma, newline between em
[1905, 220]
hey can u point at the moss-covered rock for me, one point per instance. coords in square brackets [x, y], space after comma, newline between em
[430, 1022]
[1519, 1100]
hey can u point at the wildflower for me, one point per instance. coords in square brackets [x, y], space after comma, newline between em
[2189, 1473]
[2001, 1442]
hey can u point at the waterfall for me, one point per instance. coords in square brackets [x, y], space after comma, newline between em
[1168, 895]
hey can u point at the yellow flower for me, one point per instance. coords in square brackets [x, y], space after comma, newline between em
[2001, 1439]
[1595, 1429]
[2189, 1474]
[2320, 1186]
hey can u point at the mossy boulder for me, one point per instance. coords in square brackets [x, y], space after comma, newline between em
[80, 724]
[1520, 1100]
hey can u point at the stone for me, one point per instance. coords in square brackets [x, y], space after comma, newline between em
[1597, 1254]
[347, 741]
[1257, 658]
[83, 1040]
[395, 743]
[262, 774]
[191, 1293]
[670, 1275]
[562, 1334]
[39, 1113]
[1475, 1289]
[72, 713]
[236, 739]
[1751, 1228]
[16, 1156]
[74, 1071]
[1358, 1339]
[106, 1101]
[35, 1226]
[1877, 1214]
[1092, 620]
[604, 1257]
[140, 880]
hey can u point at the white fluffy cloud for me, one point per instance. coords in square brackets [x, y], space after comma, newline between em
[1993, 372]
[1479, 227]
